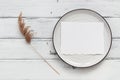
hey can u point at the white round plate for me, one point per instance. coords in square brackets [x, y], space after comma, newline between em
[82, 60]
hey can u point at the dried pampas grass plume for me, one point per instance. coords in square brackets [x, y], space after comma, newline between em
[28, 34]
[24, 29]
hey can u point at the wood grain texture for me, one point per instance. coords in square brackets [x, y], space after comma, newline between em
[56, 8]
[37, 70]
[43, 27]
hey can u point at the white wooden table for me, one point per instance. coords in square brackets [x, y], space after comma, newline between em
[19, 62]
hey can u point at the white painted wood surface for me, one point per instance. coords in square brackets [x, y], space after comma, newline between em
[19, 62]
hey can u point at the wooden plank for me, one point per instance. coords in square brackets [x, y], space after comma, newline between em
[55, 8]
[17, 49]
[43, 27]
[37, 70]
[26, 70]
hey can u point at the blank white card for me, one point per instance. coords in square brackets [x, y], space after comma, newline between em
[82, 38]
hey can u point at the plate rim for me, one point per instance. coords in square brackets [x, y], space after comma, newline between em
[98, 15]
